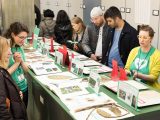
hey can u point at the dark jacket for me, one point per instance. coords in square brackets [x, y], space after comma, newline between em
[90, 39]
[8, 89]
[63, 33]
[127, 41]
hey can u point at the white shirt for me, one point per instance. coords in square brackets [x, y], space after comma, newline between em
[99, 43]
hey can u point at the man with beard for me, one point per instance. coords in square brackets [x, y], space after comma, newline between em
[94, 40]
[121, 36]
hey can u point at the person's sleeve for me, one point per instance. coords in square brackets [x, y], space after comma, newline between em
[129, 60]
[85, 43]
[155, 70]
[135, 41]
[4, 113]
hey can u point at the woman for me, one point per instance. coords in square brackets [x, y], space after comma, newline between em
[63, 28]
[47, 25]
[78, 32]
[144, 61]
[17, 33]
[11, 104]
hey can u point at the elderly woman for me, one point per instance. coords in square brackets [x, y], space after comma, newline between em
[144, 61]
[11, 103]
[78, 33]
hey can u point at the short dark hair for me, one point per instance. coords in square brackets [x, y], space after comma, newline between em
[48, 13]
[148, 29]
[112, 12]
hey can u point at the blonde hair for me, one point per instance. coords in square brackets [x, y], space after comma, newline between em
[4, 43]
[78, 20]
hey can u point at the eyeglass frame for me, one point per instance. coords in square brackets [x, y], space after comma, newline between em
[143, 37]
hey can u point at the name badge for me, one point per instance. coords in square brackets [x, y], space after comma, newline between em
[21, 77]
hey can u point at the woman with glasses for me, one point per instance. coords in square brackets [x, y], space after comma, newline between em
[17, 33]
[144, 61]
[11, 104]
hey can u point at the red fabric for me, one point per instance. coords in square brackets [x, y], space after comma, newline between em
[65, 55]
[123, 75]
[72, 57]
[52, 47]
[31, 41]
[114, 73]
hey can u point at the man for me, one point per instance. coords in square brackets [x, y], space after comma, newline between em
[122, 38]
[94, 39]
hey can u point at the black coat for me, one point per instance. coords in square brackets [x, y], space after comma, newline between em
[8, 89]
[63, 33]
[127, 41]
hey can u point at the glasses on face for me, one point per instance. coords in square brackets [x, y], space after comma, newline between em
[143, 37]
[21, 37]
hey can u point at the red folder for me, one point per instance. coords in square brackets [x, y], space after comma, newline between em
[52, 47]
[65, 55]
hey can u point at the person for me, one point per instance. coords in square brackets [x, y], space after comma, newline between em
[11, 104]
[17, 33]
[47, 25]
[78, 33]
[122, 38]
[94, 42]
[37, 15]
[144, 61]
[63, 28]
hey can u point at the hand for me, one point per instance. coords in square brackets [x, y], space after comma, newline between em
[135, 74]
[75, 47]
[21, 94]
[17, 57]
[128, 72]
[93, 57]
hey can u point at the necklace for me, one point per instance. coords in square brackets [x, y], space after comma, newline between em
[139, 65]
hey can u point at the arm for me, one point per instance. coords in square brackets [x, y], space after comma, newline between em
[85, 43]
[24, 66]
[149, 78]
[4, 113]
[17, 58]
[154, 68]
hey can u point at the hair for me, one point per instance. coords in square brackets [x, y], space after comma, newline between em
[62, 18]
[15, 28]
[4, 43]
[148, 29]
[112, 12]
[48, 13]
[78, 20]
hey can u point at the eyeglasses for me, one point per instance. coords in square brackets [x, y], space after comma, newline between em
[22, 37]
[143, 37]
